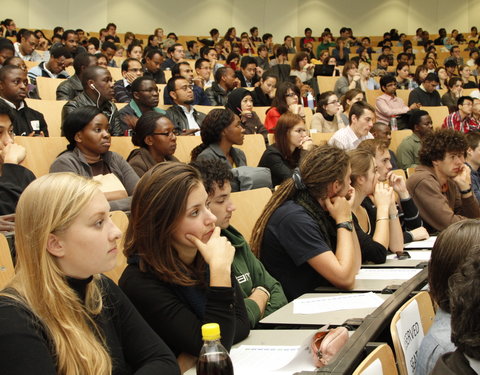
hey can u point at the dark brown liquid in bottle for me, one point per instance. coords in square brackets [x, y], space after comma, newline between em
[214, 364]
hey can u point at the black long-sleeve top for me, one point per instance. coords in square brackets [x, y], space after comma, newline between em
[173, 318]
[134, 348]
[13, 181]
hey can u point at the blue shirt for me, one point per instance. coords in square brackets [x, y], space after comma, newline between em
[475, 182]
[436, 343]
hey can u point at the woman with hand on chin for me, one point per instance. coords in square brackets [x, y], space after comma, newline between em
[291, 143]
[59, 315]
[378, 228]
[87, 154]
[240, 102]
[179, 273]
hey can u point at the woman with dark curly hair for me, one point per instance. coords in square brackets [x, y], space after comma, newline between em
[155, 136]
[221, 129]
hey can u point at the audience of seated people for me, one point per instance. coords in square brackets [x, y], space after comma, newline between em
[305, 236]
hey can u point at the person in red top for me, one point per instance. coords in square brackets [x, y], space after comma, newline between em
[286, 99]
[462, 120]
[307, 38]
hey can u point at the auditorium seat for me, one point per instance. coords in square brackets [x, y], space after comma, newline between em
[382, 353]
[437, 114]
[249, 206]
[427, 314]
[41, 152]
[326, 83]
[47, 87]
[52, 111]
[321, 138]
[397, 138]
[372, 95]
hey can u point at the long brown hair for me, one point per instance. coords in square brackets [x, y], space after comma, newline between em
[360, 160]
[450, 250]
[285, 124]
[320, 167]
[158, 203]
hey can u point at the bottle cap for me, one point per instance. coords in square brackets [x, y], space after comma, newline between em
[211, 331]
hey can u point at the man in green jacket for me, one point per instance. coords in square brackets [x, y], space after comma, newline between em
[262, 293]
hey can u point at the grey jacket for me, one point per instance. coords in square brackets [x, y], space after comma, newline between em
[109, 109]
[214, 152]
[74, 161]
[179, 118]
[216, 95]
[70, 88]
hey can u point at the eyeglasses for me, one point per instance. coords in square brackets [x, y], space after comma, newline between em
[171, 134]
[333, 102]
[185, 88]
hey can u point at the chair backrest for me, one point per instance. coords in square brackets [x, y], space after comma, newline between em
[397, 137]
[400, 172]
[115, 72]
[185, 145]
[321, 138]
[326, 83]
[404, 94]
[120, 219]
[372, 95]
[207, 108]
[249, 206]
[7, 270]
[380, 361]
[261, 112]
[52, 111]
[408, 327]
[41, 152]
[410, 171]
[47, 87]
[122, 146]
[253, 147]
[437, 114]
[161, 88]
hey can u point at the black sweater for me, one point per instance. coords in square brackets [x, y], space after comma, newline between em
[13, 181]
[174, 319]
[135, 349]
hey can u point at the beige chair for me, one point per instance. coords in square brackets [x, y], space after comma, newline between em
[47, 87]
[261, 112]
[397, 138]
[185, 145]
[321, 138]
[249, 206]
[122, 146]
[120, 219]
[207, 108]
[41, 152]
[253, 147]
[161, 88]
[326, 83]
[372, 95]
[30, 64]
[52, 111]
[427, 314]
[400, 172]
[115, 72]
[437, 114]
[410, 171]
[384, 354]
[404, 94]
[7, 270]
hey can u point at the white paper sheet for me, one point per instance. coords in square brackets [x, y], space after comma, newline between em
[375, 368]
[410, 332]
[414, 254]
[345, 302]
[426, 244]
[386, 273]
[272, 360]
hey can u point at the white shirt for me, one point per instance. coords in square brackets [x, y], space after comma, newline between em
[192, 123]
[474, 364]
[346, 139]
[34, 56]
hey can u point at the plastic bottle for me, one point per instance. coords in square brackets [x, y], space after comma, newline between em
[213, 358]
[393, 123]
[310, 100]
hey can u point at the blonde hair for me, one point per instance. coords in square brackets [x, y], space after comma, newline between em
[49, 205]
[362, 66]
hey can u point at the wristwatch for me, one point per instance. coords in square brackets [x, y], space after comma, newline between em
[348, 225]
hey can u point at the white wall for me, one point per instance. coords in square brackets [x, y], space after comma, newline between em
[280, 17]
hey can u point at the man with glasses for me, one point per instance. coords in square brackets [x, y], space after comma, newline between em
[183, 69]
[25, 47]
[204, 71]
[144, 99]
[441, 186]
[185, 118]
[131, 70]
[462, 120]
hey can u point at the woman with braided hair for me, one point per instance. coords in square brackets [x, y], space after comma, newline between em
[305, 236]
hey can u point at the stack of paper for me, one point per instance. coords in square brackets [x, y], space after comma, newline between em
[347, 301]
